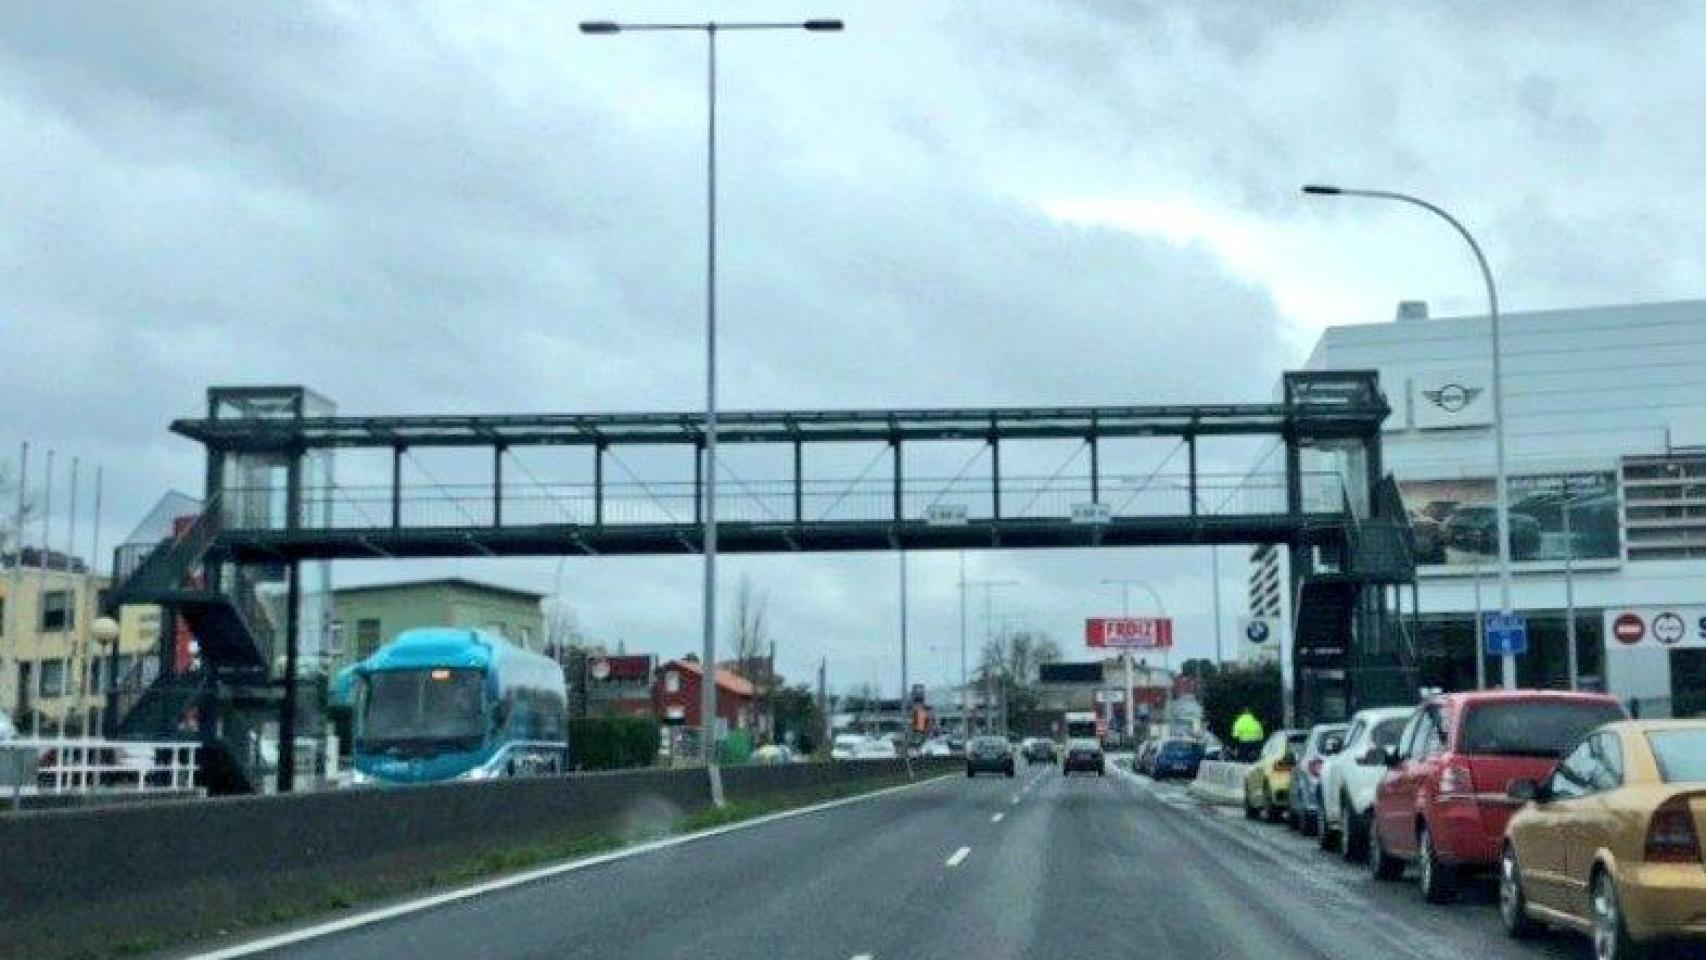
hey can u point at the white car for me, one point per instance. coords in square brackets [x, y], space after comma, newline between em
[847, 745]
[1347, 784]
[877, 748]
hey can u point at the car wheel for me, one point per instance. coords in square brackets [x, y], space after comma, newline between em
[1273, 813]
[970, 774]
[1009, 771]
[1250, 813]
[1381, 863]
[1311, 825]
[1438, 880]
[1326, 837]
[1353, 834]
[1610, 932]
[1513, 905]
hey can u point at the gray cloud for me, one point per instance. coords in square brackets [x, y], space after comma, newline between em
[435, 208]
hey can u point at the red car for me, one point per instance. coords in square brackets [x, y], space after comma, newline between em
[1442, 801]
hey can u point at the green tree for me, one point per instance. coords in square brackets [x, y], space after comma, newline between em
[796, 714]
[1234, 689]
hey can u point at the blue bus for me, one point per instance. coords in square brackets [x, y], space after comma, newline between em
[444, 703]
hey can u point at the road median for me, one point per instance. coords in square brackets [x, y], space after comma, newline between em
[123, 881]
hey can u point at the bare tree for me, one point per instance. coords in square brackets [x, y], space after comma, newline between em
[9, 534]
[752, 629]
[562, 627]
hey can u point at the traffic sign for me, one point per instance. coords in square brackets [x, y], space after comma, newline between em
[1629, 628]
[1507, 634]
[1092, 513]
[945, 515]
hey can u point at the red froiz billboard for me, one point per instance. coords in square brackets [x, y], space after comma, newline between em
[1129, 633]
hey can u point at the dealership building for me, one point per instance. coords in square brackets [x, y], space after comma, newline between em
[1606, 459]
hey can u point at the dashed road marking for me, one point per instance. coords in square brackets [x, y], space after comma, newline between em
[959, 856]
[864, 956]
[997, 818]
[1015, 799]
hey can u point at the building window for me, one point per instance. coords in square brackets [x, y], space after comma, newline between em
[2, 616]
[672, 682]
[57, 613]
[53, 678]
[525, 636]
[335, 639]
[366, 636]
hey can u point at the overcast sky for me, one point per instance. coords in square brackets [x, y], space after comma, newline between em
[471, 207]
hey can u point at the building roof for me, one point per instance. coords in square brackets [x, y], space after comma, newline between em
[726, 679]
[458, 583]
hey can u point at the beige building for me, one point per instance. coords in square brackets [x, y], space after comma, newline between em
[53, 674]
[366, 618]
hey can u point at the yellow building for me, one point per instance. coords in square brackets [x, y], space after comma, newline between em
[52, 672]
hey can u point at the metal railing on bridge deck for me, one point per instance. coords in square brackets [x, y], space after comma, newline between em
[868, 500]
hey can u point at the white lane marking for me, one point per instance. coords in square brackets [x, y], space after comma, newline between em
[997, 818]
[543, 873]
[862, 956]
[959, 856]
[1015, 799]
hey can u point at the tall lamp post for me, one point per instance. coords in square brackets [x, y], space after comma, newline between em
[1501, 491]
[1125, 586]
[106, 633]
[708, 689]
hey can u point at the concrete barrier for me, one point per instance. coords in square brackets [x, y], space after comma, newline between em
[78, 881]
[1220, 782]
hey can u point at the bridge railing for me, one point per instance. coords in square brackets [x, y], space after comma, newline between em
[774, 501]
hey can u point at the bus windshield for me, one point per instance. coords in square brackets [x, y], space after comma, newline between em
[412, 706]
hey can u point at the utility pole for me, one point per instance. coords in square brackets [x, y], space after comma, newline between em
[905, 688]
[1125, 586]
[823, 703]
[1570, 588]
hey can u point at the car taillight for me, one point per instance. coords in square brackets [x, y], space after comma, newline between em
[1315, 768]
[1670, 834]
[1456, 780]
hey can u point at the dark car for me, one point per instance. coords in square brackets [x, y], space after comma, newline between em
[1474, 529]
[1178, 757]
[989, 755]
[1085, 755]
[1039, 750]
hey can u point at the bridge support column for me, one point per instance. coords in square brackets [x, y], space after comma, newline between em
[397, 486]
[1191, 441]
[899, 498]
[995, 475]
[699, 483]
[598, 484]
[799, 491]
[498, 485]
[287, 707]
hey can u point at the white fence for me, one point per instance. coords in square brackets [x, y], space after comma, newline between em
[56, 766]
[1220, 782]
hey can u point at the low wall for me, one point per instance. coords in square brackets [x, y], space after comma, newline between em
[79, 880]
[1220, 782]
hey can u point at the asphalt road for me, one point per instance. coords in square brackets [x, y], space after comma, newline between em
[1038, 866]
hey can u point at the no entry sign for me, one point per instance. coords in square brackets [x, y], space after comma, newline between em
[1131, 633]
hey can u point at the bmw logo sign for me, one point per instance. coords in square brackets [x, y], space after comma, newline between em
[1256, 631]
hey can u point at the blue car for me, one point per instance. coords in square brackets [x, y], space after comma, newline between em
[1177, 757]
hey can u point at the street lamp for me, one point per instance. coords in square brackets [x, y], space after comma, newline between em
[1501, 492]
[105, 631]
[708, 689]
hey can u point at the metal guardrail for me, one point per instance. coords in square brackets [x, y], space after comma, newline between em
[87, 765]
[1220, 781]
[431, 505]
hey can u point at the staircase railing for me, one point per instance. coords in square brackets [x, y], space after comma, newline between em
[164, 565]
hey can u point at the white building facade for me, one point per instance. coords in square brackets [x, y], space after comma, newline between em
[1606, 452]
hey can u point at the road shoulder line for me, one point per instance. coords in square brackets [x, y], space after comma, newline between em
[431, 901]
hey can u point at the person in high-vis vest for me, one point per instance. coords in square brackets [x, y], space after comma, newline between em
[1248, 734]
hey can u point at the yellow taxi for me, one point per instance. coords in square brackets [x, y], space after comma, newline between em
[1267, 787]
[1609, 843]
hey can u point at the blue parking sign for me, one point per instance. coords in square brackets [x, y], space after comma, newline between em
[1507, 634]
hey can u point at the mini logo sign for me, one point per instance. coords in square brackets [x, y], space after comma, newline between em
[1668, 628]
[1453, 397]
[1628, 628]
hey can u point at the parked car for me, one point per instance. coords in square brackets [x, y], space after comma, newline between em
[1084, 754]
[1304, 800]
[1442, 803]
[1145, 752]
[1176, 757]
[1609, 843]
[1348, 779]
[771, 754]
[1267, 787]
[1039, 750]
[989, 755]
[846, 745]
[877, 748]
[938, 747]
